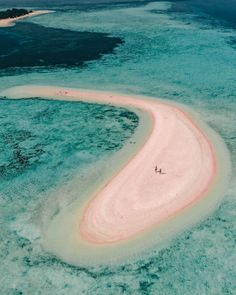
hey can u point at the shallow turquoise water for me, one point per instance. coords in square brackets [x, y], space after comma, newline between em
[174, 56]
[43, 144]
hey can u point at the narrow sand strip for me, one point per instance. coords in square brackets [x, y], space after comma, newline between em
[9, 22]
[138, 197]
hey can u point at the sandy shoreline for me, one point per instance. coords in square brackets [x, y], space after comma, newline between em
[138, 198]
[9, 22]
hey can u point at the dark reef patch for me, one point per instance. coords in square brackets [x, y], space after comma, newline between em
[32, 130]
[38, 46]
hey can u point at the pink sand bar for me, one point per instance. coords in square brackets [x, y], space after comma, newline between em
[173, 170]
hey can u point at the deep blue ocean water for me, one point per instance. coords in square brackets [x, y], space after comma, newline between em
[181, 50]
[39, 46]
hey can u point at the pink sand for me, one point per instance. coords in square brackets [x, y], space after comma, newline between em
[138, 198]
[8, 22]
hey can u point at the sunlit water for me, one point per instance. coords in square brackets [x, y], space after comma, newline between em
[184, 57]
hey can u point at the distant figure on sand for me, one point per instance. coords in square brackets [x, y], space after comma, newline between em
[159, 171]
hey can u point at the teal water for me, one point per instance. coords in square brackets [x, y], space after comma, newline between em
[177, 56]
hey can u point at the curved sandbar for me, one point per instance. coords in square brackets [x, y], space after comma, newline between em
[9, 22]
[140, 197]
[139, 205]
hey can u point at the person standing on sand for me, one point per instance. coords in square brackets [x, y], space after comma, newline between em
[159, 171]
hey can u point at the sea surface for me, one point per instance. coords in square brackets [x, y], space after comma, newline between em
[184, 51]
